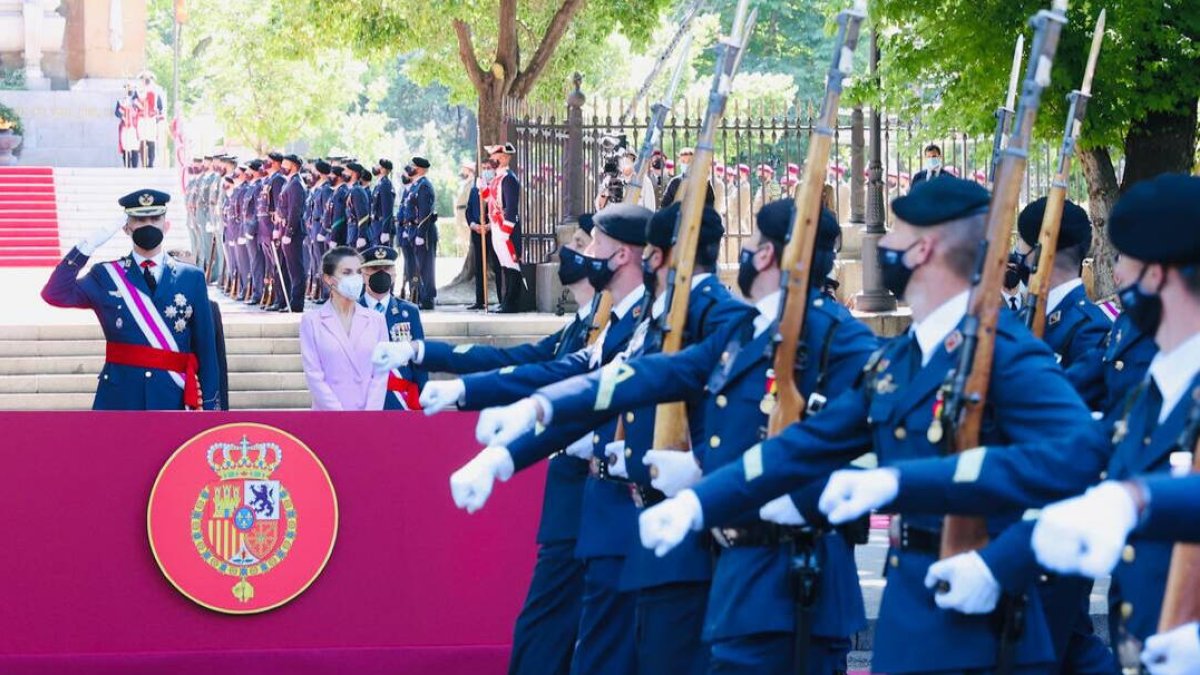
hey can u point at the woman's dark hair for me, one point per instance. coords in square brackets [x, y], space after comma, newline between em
[329, 261]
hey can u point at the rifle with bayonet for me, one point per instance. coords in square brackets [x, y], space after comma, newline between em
[658, 117]
[1005, 112]
[1047, 246]
[796, 262]
[670, 422]
[685, 27]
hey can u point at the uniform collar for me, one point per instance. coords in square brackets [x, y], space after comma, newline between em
[1057, 294]
[1173, 373]
[159, 260]
[768, 309]
[629, 302]
[933, 330]
[583, 312]
[660, 303]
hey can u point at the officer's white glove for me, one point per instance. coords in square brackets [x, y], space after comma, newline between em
[614, 455]
[781, 511]
[440, 395]
[286, 239]
[385, 237]
[850, 494]
[100, 236]
[471, 485]
[672, 471]
[276, 234]
[504, 424]
[582, 448]
[360, 243]
[321, 237]
[241, 241]
[1175, 652]
[1085, 534]
[418, 241]
[973, 589]
[664, 525]
[389, 355]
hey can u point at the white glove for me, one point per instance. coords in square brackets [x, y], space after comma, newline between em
[1175, 652]
[241, 240]
[504, 424]
[320, 237]
[417, 241]
[973, 589]
[287, 240]
[389, 355]
[100, 237]
[581, 449]
[471, 485]
[664, 525]
[781, 511]
[276, 234]
[672, 471]
[385, 237]
[1085, 534]
[440, 395]
[360, 243]
[850, 494]
[614, 455]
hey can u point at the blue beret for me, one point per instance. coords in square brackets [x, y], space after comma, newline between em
[775, 222]
[145, 203]
[662, 226]
[1158, 220]
[586, 223]
[627, 223]
[934, 202]
[379, 256]
[1074, 229]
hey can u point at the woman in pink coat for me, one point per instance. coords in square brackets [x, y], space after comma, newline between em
[336, 340]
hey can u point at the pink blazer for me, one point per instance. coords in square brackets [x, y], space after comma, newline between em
[338, 366]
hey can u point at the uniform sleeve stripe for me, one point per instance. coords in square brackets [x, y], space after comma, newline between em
[969, 466]
[752, 463]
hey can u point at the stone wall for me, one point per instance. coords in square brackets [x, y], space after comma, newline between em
[66, 128]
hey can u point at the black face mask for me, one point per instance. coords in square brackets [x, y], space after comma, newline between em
[599, 274]
[147, 237]
[894, 273]
[1017, 272]
[1144, 309]
[746, 272]
[380, 282]
[572, 266]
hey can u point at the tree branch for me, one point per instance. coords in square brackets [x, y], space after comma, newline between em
[506, 38]
[466, 52]
[545, 51]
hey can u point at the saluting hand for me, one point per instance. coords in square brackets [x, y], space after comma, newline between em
[1085, 534]
[440, 395]
[662, 527]
[851, 493]
[471, 485]
[100, 236]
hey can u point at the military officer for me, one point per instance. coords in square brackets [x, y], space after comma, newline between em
[383, 205]
[252, 240]
[422, 213]
[358, 206]
[928, 259]
[291, 215]
[161, 351]
[270, 220]
[335, 208]
[404, 325]
[318, 233]
[231, 225]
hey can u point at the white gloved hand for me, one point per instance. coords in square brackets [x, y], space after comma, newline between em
[663, 526]
[241, 240]
[672, 471]
[442, 394]
[782, 511]
[973, 589]
[1175, 652]
[385, 238]
[850, 494]
[504, 424]
[286, 239]
[582, 448]
[614, 455]
[389, 355]
[100, 236]
[471, 485]
[276, 234]
[360, 243]
[418, 241]
[321, 237]
[1085, 534]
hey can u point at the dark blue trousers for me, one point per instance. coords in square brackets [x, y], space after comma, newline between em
[772, 654]
[606, 641]
[669, 622]
[426, 258]
[544, 637]
[258, 269]
[294, 274]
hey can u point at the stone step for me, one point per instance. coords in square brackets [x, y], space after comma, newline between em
[86, 384]
[238, 400]
[80, 365]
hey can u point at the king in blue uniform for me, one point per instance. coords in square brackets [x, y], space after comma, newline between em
[161, 349]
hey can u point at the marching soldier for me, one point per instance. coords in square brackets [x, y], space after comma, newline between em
[383, 205]
[404, 325]
[423, 215]
[291, 216]
[161, 351]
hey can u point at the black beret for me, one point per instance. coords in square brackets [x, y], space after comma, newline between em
[662, 226]
[229, 179]
[339, 171]
[295, 159]
[364, 175]
[934, 202]
[355, 167]
[379, 256]
[322, 167]
[386, 163]
[627, 223]
[144, 203]
[1158, 220]
[586, 223]
[277, 156]
[1074, 229]
[207, 157]
[775, 222]
[420, 162]
[255, 164]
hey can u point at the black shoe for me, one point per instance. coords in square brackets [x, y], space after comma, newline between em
[475, 307]
[508, 309]
[254, 301]
[427, 306]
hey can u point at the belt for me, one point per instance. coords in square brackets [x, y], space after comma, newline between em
[141, 356]
[641, 495]
[407, 389]
[763, 534]
[906, 538]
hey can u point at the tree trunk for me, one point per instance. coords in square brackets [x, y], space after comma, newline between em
[1161, 142]
[1101, 180]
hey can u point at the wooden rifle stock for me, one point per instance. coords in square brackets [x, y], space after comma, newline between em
[969, 382]
[796, 261]
[670, 419]
[601, 312]
[1181, 602]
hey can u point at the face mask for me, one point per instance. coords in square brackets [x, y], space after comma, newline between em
[894, 272]
[350, 287]
[933, 164]
[488, 175]
[380, 282]
[747, 273]
[1144, 309]
[1017, 271]
[572, 266]
[147, 237]
[599, 274]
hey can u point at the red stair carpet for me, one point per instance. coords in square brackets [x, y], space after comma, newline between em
[28, 217]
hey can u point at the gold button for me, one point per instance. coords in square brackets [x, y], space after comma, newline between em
[1103, 475]
[1128, 554]
[1146, 440]
[106, 376]
[1119, 365]
[147, 374]
[722, 401]
[714, 442]
[894, 561]
[595, 439]
[629, 418]
[628, 452]
[1126, 610]
[818, 302]
[900, 433]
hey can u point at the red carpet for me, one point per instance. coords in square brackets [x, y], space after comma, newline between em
[28, 217]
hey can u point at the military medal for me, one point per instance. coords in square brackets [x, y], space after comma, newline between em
[935, 432]
[767, 405]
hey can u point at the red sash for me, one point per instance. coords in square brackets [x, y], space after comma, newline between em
[141, 356]
[407, 390]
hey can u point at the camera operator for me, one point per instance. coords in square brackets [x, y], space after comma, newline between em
[618, 171]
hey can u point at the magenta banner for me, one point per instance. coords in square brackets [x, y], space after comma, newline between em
[412, 584]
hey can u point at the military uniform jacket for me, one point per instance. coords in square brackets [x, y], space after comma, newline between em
[1114, 368]
[233, 213]
[291, 208]
[1171, 515]
[358, 214]
[404, 325]
[320, 196]
[180, 302]
[1075, 327]
[335, 217]
[383, 207]
[891, 410]
[420, 200]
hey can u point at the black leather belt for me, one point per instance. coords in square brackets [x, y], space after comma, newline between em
[919, 540]
[763, 534]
